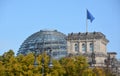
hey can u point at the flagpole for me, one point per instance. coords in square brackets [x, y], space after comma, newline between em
[86, 22]
[86, 25]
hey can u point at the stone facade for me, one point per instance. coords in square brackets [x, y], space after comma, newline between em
[86, 43]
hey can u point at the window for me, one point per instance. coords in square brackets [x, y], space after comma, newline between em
[83, 48]
[91, 47]
[76, 47]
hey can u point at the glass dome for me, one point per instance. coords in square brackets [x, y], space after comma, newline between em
[44, 39]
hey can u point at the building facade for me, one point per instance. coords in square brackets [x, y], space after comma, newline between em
[63, 45]
[87, 43]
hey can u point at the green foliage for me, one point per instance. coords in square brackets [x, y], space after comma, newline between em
[21, 65]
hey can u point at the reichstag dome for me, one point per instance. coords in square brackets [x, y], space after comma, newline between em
[43, 39]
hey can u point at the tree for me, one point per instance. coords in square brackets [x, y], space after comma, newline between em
[23, 65]
[76, 66]
[99, 71]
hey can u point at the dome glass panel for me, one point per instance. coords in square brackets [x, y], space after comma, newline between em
[44, 39]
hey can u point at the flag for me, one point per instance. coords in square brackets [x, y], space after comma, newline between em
[90, 16]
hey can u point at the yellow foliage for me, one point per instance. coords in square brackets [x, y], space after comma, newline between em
[21, 65]
[99, 71]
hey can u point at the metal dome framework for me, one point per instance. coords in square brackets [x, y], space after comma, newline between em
[44, 39]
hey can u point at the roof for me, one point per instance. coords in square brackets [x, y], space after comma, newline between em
[111, 53]
[88, 35]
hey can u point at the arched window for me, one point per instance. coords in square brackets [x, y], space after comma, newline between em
[91, 47]
[76, 47]
[83, 48]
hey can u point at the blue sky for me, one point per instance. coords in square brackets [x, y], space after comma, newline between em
[21, 18]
